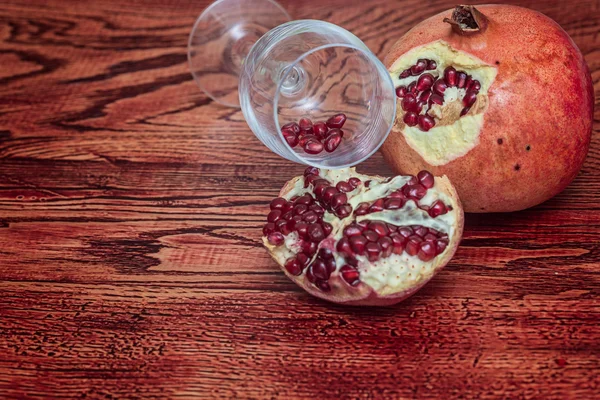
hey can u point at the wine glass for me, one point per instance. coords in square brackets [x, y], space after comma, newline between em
[303, 69]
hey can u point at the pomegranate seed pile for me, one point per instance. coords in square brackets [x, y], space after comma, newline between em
[314, 138]
[324, 226]
[421, 95]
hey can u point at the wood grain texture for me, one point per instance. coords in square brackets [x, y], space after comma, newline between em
[130, 214]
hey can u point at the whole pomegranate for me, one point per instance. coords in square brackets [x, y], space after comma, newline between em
[498, 98]
[363, 240]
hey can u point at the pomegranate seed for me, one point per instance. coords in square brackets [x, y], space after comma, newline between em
[300, 209]
[327, 228]
[449, 78]
[354, 182]
[315, 232]
[364, 224]
[440, 87]
[337, 121]
[441, 245]
[309, 275]
[275, 238]
[309, 179]
[320, 130]
[413, 245]
[287, 216]
[350, 275]
[425, 82]
[317, 209]
[465, 111]
[399, 242]
[305, 138]
[412, 88]
[391, 227]
[405, 231]
[438, 208]
[412, 180]
[461, 79]
[309, 248]
[291, 224]
[343, 246]
[344, 187]
[338, 200]
[468, 83]
[401, 91]
[303, 260]
[332, 142]
[411, 118]
[426, 179]
[393, 204]
[310, 217]
[357, 243]
[431, 65]
[330, 265]
[377, 205]
[274, 216]
[427, 251]
[475, 86]
[344, 211]
[292, 140]
[409, 102]
[353, 230]
[319, 269]
[368, 183]
[373, 251]
[415, 192]
[311, 171]
[424, 97]
[469, 99]
[268, 228]
[294, 127]
[362, 209]
[426, 122]
[387, 246]
[430, 237]
[304, 199]
[301, 228]
[379, 227]
[323, 285]
[436, 99]
[293, 266]
[397, 194]
[305, 125]
[313, 147]
[418, 67]
[405, 74]
[329, 193]
[282, 227]
[325, 253]
[352, 261]
[420, 231]
[371, 236]
[277, 203]
[320, 185]
[336, 131]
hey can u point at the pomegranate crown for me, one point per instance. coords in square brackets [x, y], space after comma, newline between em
[467, 20]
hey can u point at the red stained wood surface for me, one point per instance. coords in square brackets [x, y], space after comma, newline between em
[130, 215]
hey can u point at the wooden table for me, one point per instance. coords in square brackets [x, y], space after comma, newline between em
[130, 214]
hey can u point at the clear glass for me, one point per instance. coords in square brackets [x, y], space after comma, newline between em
[315, 69]
[221, 39]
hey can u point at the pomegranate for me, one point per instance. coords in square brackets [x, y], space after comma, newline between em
[498, 98]
[314, 138]
[363, 240]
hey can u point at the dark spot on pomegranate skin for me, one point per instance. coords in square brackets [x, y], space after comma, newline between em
[497, 62]
[528, 147]
[517, 167]
[500, 141]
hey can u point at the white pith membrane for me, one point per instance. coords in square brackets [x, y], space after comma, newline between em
[452, 136]
[387, 276]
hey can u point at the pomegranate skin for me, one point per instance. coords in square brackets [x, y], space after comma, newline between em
[538, 125]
